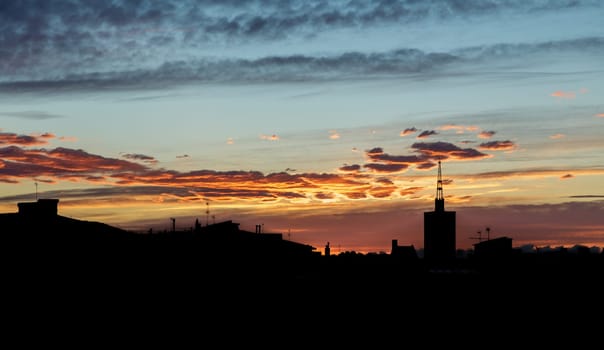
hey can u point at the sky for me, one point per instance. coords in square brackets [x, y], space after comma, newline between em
[320, 120]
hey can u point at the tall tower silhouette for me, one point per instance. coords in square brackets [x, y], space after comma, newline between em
[439, 228]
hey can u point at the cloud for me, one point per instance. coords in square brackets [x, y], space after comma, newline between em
[68, 139]
[350, 168]
[588, 196]
[601, 115]
[486, 134]
[566, 176]
[230, 141]
[386, 168]
[564, 94]
[557, 136]
[445, 150]
[334, 135]
[410, 190]
[459, 128]
[140, 157]
[25, 140]
[272, 137]
[32, 115]
[408, 131]
[182, 156]
[498, 145]
[95, 54]
[426, 134]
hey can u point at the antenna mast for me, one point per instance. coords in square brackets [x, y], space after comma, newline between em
[36, 190]
[439, 202]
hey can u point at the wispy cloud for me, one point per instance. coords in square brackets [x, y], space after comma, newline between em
[92, 67]
[460, 129]
[564, 94]
[140, 157]
[33, 115]
[68, 139]
[272, 137]
[566, 176]
[557, 136]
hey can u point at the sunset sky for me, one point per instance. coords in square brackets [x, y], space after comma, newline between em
[321, 120]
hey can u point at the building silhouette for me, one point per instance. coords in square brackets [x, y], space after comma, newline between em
[439, 228]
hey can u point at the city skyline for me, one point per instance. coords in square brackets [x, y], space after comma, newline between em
[323, 121]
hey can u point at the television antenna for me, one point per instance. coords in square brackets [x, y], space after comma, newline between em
[479, 237]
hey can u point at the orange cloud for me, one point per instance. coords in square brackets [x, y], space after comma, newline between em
[601, 115]
[486, 134]
[68, 139]
[272, 137]
[459, 128]
[557, 136]
[230, 141]
[564, 94]
[334, 135]
[25, 140]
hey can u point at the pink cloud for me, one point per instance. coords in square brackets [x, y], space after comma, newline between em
[557, 136]
[564, 94]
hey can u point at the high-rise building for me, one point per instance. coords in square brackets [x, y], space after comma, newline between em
[439, 228]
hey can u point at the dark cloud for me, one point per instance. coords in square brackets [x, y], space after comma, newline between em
[445, 150]
[140, 157]
[85, 45]
[101, 72]
[588, 196]
[33, 115]
[386, 168]
[426, 133]
[567, 176]
[408, 131]
[350, 168]
[498, 145]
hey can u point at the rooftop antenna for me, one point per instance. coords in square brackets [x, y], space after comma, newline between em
[488, 229]
[173, 224]
[479, 238]
[36, 183]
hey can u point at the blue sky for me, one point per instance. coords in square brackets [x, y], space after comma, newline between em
[308, 88]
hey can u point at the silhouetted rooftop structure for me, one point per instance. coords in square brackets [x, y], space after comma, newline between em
[494, 248]
[403, 251]
[40, 208]
[439, 228]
